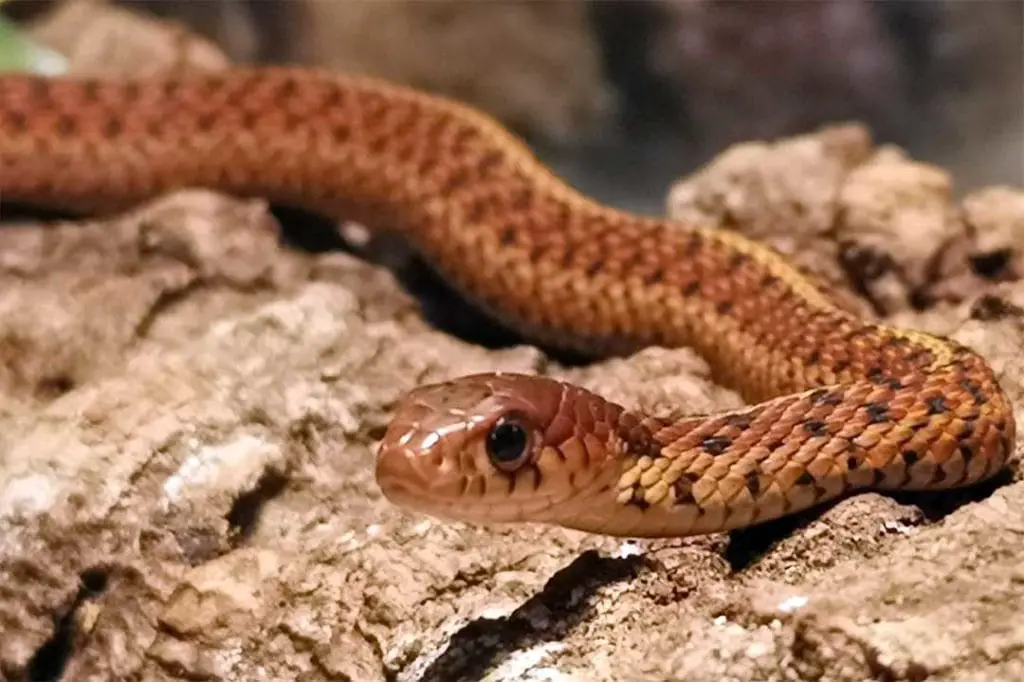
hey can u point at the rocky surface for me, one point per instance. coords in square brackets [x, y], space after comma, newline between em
[186, 478]
[189, 409]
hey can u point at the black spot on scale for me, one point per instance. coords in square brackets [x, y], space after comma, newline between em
[723, 307]
[876, 376]
[815, 427]
[507, 236]
[805, 479]
[823, 396]
[131, 91]
[40, 89]
[287, 88]
[937, 405]
[638, 500]
[852, 463]
[521, 199]
[490, 162]
[427, 166]
[920, 355]
[475, 212]
[737, 260]
[691, 288]
[17, 119]
[715, 445]
[91, 89]
[910, 457]
[462, 137]
[112, 127]
[753, 483]
[171, 88]
[65, 125]
[877, 413]
[967, 452]
[683, 492]
[814, 358]
[975, 390]
[655, 277]
[340, 132]
[437, 128]
[453, 182]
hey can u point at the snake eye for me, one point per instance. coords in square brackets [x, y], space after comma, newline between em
[508, 443]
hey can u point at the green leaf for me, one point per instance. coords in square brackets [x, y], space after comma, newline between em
[18, 53]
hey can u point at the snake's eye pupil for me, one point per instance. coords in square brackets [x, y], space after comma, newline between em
[507, 442]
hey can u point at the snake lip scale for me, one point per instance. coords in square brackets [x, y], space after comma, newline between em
[836, 404]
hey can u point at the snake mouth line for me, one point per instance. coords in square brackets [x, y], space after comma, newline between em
[467, 509]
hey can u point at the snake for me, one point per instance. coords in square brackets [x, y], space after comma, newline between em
[833, 404]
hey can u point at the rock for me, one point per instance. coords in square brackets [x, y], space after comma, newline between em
[548, 81]
[98, 38]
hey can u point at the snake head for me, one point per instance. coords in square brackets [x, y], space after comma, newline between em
[494, 448]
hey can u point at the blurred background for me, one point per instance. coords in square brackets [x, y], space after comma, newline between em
[623, 97]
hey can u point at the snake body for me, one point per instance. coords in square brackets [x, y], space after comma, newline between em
[836, 404]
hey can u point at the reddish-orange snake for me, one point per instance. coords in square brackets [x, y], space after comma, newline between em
[838, 404]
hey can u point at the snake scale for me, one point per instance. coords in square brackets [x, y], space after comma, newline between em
[834, 404]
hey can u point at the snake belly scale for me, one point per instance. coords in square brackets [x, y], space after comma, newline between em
[836, 404]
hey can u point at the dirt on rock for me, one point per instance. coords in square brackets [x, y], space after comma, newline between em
[189, 409]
